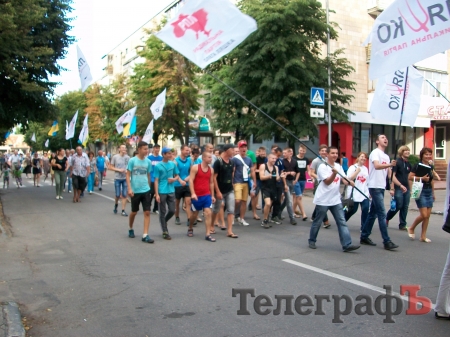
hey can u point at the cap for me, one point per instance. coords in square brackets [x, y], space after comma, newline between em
[242, 143]
[166, 150]
[228, 146]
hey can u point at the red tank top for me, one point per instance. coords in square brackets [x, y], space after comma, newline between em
[201, 182]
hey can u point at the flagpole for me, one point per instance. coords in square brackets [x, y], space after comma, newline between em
[440, 93]
[281, 126]
[399, 141]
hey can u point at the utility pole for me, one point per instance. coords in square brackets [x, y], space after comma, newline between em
[329, 72]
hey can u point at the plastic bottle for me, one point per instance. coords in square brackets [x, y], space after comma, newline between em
[393, 204]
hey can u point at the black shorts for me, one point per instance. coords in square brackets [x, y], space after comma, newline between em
[140, 198]
[182, 192]
[78, 182]
[269, 193]
[36, 170]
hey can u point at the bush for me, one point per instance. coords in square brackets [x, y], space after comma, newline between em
[413, 159]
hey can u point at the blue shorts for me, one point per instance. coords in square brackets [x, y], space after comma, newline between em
[202, 202]
[299, 188]
[121, 184]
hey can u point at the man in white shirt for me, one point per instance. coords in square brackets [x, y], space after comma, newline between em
[15, 160]
[379, 168]
[328, 197]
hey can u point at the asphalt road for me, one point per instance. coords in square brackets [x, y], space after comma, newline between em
[75, 272]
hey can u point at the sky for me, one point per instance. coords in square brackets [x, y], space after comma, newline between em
[99, 26]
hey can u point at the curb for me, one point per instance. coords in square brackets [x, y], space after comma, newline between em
[12, 320]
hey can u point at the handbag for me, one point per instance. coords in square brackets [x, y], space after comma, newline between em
[416, 188]
[96, 180]
[446, 226]
[347, 204]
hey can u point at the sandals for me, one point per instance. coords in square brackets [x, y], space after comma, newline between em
[411, 236]
[210, 239]
[199, 220]
[233, 236]
[190, 233]
[212, 232]
[223, 228]
[297, 216]
[305, 218]
[256, 218]
[426, 240]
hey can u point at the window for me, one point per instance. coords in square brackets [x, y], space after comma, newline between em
[279, 140]
[438, 80]
[356, 139]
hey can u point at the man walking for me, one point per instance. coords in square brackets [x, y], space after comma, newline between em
[119, 164]
[302, 164]
[138, 183]
[154, 158]
[328, 197]
[314, 167]
[379, 168]
[402, 193]
[201, 183]
[79, 170]
[102, 164]
[166, 173]
[182, 191]
[290, 178]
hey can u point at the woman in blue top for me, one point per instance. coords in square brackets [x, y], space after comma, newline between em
[344, 162]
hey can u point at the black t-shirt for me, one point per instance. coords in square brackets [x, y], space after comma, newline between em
[426, 185]
[224, 173]
[61, 162]
[402, 170]
[302, 165]
[290, 166]
[259, 162]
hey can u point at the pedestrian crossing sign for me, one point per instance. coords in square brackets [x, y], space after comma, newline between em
[317, 96]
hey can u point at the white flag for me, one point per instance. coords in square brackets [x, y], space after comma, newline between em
[84, 134]
[127, 117]
[33, 138]
[70, 131]
[407, 32]
[83, 70]
[397, 91]
[158, 106]
[206, 30]
[148, 133]
[46, 143]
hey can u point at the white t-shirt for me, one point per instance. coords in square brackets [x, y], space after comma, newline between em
[360, 182]
[377, 178]
[328, 195]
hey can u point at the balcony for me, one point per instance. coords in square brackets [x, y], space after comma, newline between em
[375, 7]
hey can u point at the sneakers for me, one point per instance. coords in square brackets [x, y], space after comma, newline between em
[275, 220]
[177, 221]
[99, 188]
[293, 222]
[166, 236]
[69, 191]
[243, 222]
[367, 241]
[148, 239]
[90, 192]
[124, 213]
[64, 190]
[402, 228]
[115, 209]
[351, 248]
[265, 224]
[312, 245]
[155, 211]
[390, 245]
[60, 197]
[57, 197]
[131, 233]
[326, 225]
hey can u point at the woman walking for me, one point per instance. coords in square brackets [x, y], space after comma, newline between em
[52, 173]
[425, 201]
[46, 165]
[359, 174]
[91, 177]
[27, 161]
[36, 163]
[59, 167]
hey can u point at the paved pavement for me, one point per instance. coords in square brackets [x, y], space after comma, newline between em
[74, 272]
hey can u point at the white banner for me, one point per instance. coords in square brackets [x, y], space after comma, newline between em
[70, 132]
[83, 70]
[84, 134]
[395, 91]
[127, 117]
[406, 32]
[33, 138]
[206, 30]
[148, 133]
[46, 143]
[158, 106]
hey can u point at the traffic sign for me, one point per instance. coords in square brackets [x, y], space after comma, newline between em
[317, 96]
[317, 113]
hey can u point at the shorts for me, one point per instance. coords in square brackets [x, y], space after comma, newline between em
[205, 201]
[241, 191]
[78, 182]
[121, 184]
[182, 192]
[258, 187]
[299, 188]
[228, 199]
[140, 198]
[36, 170]
[5, 179]
[426, 199]
[269, 193]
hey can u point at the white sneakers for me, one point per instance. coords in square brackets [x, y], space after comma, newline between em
[242, 222]
[60, 197]
[57, 197]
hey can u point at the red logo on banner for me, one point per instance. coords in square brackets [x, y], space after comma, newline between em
[422, 25]
[195, 22]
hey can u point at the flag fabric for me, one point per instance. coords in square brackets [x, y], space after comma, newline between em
[46, 143]
[158, 105]
[400, 89]
[70, 131]
[7, 134]
[83, 70]
[206, 30]
[148, 133]
[127, 117]
[84, 134]
[33, 138]
[407, 32]
[54, 129]
[130, 128]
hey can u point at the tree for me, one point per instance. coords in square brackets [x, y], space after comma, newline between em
[33, 37]
[165, 68]
[275, 67]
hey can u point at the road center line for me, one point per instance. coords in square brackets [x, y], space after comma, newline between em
[104, 196]
[345, 278]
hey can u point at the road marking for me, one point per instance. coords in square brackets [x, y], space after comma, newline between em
[346, 279]
[104, 196]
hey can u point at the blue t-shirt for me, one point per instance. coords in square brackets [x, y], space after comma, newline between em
[164, 171]
[279, 164]
[184, 168]
[198, 160]
[100, 164]
[238, 173]
[155, 160]
[139, 174]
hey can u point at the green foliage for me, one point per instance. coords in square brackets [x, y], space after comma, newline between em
[33, 37]
[413, 159]
[275, 67]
